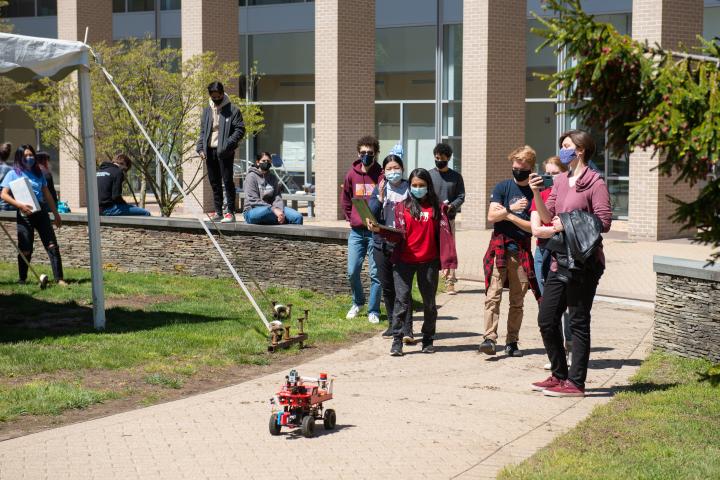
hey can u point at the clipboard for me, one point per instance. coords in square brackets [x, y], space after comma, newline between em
[363, 210]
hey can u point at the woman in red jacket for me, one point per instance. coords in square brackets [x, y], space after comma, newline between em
[424, 245]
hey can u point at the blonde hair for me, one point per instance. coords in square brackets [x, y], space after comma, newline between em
[555, 160]
[523, 154]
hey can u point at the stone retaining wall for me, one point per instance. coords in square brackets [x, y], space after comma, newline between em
[687, 308]
[293, 256]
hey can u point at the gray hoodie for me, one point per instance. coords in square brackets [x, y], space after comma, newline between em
[262, 190]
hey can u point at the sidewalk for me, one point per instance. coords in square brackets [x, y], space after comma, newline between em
[454, 414]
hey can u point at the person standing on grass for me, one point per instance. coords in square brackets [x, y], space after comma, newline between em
[110, 177]
[263, 196]
[5, 151]
[508, 260]
[450, 189]
[391, 191]
[360, 181]
[221, 130]
[26, 166]
[423, 246]
[581, 188]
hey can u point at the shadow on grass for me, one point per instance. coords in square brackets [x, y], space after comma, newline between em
[24, 317]
[638, 388]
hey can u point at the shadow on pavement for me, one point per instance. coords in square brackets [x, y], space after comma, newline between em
[604, 363]
[296, 434]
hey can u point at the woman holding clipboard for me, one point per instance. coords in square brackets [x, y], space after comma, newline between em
[29, 220]
[424, 245]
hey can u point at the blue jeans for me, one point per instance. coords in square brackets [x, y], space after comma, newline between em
[124, 210]
[265, 216]
[360, 245]
[542, 266]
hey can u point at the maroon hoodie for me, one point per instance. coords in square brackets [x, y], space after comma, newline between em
[358, 184]
[590, 195]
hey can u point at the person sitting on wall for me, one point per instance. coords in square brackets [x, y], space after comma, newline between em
[110, 178]
[263, 199]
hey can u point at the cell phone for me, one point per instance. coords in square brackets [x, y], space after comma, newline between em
[547, 180]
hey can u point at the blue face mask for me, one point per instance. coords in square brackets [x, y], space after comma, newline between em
[394, 177]
[29, 161]
[418, 192]
[567, 155]
[367, 160]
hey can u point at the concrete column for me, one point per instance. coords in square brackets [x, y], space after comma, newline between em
[73, 17]
[344, 93]
[673, 24]
[493, 113]
[209, 25]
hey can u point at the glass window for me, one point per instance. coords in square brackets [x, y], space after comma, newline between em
[19, 8]
[452, 119]
[286, 63]
[456, 160]
[387, 119]
[46, 8]
[170, 5]
[619, 196]
[543, 62]
[270, 2]
[419, 135]
[284, 134]
[118, 6]
[711, 22]
[175, 43]
[621, 21]
[141, 5]
[452, 62]
[405, 63]
[540, 125]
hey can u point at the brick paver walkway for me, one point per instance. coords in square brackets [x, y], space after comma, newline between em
[454, 414]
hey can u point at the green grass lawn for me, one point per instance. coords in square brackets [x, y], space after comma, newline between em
[160, 328]
[665, 425]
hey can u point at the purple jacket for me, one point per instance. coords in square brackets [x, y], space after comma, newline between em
[590, 195]
[358, 184]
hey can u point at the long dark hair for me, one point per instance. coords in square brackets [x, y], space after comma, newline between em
[413, 204]
[20, 154]
[393, 158]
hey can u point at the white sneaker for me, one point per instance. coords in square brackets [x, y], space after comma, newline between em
[352, 313]
[373, 318]
[547, 366]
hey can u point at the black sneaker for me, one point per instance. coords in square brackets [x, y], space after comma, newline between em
[512, 350]
[488, 347]
[388, 333]
[427, 346]
[21, 282]
[396, 349]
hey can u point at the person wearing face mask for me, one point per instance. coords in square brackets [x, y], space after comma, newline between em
[450, 189]
[110, 177]
[221, 130]
[392, 190]
[263, 196]
[508, 261]
[583, 189]
[360, 181]
[28, 222]
[424, 244]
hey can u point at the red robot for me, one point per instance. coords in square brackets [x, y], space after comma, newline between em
[300, 403]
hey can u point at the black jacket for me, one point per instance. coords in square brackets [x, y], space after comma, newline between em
[575, 248]
[109, 181]
[230, 131]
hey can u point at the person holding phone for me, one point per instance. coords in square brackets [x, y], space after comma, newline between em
[26, 166]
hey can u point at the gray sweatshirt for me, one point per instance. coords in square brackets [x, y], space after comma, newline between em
[449, 186]
[262, 190]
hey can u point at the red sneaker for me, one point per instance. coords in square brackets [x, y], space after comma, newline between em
[565, 389]
[549, 382]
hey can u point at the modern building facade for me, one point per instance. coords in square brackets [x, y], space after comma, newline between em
[414, 72]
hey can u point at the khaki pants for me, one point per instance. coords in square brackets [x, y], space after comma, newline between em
[518, 281]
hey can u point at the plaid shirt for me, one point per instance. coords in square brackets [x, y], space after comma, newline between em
[496, 257]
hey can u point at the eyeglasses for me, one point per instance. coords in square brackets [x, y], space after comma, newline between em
[367, 152]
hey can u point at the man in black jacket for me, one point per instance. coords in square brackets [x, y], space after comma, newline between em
[221, 130]
[110, 178]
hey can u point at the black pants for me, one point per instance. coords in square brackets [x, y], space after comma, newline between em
[220, 173]
[385, 275]
[26, 227]
[428, 275]
[577, 296]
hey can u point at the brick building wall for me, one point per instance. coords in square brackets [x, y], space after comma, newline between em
[295, 257]
[674, 24]
[344, 93]
[493, 114]
[73, 17]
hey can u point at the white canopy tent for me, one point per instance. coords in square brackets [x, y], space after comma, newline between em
[24, 58]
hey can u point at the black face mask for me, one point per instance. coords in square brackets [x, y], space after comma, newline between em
[521, 175]
[441, 163]
[264, 166]
[217, 101]
[367, 159]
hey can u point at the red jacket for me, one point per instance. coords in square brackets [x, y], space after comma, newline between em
[495, 256]
[446, 241]
[358, 184]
